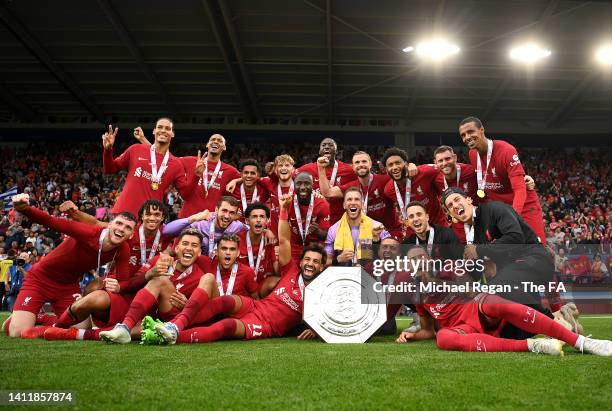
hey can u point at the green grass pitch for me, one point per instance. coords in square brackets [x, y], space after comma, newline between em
[286, 373]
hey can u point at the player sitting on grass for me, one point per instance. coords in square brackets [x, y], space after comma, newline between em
[169, 285]
[465, 325]
[273, 316]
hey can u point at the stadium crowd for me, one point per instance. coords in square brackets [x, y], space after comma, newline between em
[306, 211]
[572, 184]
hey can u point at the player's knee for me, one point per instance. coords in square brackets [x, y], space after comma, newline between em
[206, 279]
[445, 339]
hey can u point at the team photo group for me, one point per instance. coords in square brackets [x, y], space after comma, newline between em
[247, 242]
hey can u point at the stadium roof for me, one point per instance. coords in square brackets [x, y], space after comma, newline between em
[311, 63]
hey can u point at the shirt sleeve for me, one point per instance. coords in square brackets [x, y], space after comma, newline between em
[71, 228]
[323, 216]
[137, 281]
[174, 228]
[122, 268]
[329, 243]
[114, 165]
[511, 232]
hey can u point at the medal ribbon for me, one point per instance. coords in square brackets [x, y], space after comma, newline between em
[482, 181]
[298, 216]
[429, 240]
[458, 178]
[260, 254]
[243, 198]
[207, 185]
[398, 196]
[143, 245]
[155, 174]
[230, 282]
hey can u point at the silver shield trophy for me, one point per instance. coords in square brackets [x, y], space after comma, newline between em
[340, 305]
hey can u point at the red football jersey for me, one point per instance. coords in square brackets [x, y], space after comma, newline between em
[184, 284]
[283, 307]
[137, 189]
[344, 175]
[467, 181]
[244, 284]
[505, 163]
[272, 186]
[134, 243]
[320, 215]
[380, 208]
[262, 197]
[266, 262]
[78, 253]
[196, 199]
[423, 190]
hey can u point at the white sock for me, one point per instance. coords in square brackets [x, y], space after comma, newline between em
[579, 341]
[81, 334]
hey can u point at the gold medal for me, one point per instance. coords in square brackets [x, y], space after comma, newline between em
[481, 193]
[155, 186]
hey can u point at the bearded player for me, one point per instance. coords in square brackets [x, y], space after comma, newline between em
[55, 278]
[308, 216]
[107, 308]
[473, 324]
[372, 187]
[501, 177]
[151, 169]
[273, 316]
[209, 178]
[402, 189]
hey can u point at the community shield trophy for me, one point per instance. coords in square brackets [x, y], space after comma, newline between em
[341, 306]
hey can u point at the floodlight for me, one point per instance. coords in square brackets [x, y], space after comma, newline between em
[437, 49]
[529, 53]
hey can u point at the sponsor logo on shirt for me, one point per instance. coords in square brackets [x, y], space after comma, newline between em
[179, 286]
[515, 160]
[139, 172]
[133, 260]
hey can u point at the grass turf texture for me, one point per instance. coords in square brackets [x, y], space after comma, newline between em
[285, 373]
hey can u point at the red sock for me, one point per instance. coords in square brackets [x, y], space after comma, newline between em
[554, 299]
[218, 305]
[66, 320]
[448, 339]
[223, 329]
[46, 319]
[527, 319]
[198, 299]
[141, 304]
[94, 335]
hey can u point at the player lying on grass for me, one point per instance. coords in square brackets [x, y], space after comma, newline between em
[273, 316]
[170, 291]
[474, 324]
[55, 278]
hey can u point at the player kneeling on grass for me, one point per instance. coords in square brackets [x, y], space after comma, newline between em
[465, 325]
[273, 316]
[169, 285]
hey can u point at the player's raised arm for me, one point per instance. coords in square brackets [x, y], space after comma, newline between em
[69, 208]
[284, 232]
[326, 189]
[113, 165]
[71, 228]
[140, 136]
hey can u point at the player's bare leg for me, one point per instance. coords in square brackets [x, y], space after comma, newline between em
[199, 309]
[96, 303]
[157, 291]
[20, 321]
